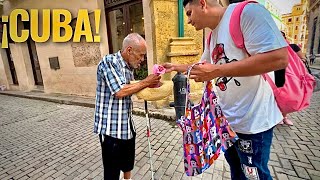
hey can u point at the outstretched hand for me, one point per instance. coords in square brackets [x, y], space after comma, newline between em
[203, 72]
[175, 67]
[169, 67]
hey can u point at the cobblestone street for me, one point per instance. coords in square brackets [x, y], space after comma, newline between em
[44, 140]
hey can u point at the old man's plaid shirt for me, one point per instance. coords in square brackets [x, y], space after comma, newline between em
[112, 114]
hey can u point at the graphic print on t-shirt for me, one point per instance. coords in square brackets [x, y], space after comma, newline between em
[219, 57]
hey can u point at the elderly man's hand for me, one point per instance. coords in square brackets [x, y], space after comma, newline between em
[152, 80]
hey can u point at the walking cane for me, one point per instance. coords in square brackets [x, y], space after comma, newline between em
[148, 135]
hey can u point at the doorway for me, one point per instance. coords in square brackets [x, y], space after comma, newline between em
[34, 58]
[123, 19]
[313, 35]
[12, 68]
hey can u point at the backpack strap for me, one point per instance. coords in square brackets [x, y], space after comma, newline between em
[267, 78]
[235, 26]
[237, 35]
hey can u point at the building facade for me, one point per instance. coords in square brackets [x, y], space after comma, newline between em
[314, 29]
[70, 68]
[274, 11]
[296, 28]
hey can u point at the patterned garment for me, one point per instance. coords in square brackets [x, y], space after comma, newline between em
[206, 132]
[113, 115]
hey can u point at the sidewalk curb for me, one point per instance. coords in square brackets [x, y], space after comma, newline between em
[315, 67]
[136, 111]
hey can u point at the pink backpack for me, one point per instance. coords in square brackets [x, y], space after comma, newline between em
[297, 90]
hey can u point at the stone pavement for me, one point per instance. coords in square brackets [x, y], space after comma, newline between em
[138, 105]
[45, 140]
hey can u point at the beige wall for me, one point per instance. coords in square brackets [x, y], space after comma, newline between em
[160, 23]
[22, 64]
[68, 79]
[5, 76]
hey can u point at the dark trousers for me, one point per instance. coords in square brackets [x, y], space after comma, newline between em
[248, 157]
[117, 155]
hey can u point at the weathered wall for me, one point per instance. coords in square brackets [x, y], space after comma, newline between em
[5, 76]
[166, 27]
[78, 61]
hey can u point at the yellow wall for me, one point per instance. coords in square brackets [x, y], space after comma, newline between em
[161, 25]
[297, 28]
[69, 79]
[166, 27]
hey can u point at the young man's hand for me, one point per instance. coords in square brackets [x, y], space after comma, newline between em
[175, 67]
[204, 72]
[169, 67]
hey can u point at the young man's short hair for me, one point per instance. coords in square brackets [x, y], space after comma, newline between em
[185, 2]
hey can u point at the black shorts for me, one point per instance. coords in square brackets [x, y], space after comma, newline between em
[117, 154]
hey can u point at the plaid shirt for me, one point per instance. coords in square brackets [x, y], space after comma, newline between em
[112, 114]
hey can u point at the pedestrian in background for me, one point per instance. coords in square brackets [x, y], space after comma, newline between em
[312, 58]
[113, 111]
[245, 97]
[295, 48]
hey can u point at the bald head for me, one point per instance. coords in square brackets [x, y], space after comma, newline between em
[133, 40]
[134, 49]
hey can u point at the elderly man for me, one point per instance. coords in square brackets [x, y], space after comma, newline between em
[113, 112]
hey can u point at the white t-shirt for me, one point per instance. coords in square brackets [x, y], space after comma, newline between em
[247, 102]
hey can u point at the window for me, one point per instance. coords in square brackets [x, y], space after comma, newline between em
[295, 36]
[289, 20]
[122, 20]
[297, 19]
[296, 27]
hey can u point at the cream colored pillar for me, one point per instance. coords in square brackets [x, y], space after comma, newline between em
[182, 50]
[22, 63]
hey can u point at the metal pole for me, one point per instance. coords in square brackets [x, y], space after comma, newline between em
[148, 135]
[180, 18]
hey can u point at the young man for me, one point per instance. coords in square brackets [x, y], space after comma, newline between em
[245, 97]
[113, 112]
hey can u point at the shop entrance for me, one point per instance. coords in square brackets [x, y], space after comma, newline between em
[124, 17]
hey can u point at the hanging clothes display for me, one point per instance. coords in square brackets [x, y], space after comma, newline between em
[206, 131]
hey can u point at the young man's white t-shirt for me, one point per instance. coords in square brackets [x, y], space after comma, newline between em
[247, 102]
